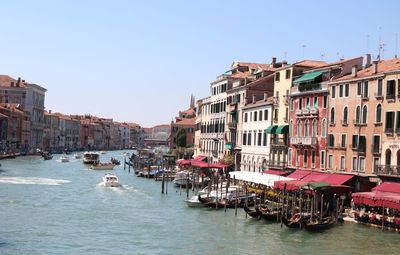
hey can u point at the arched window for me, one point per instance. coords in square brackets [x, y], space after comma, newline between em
[388, 157]
[323, 127]
[291, 128]
[299, 126]
[378, 116]
[358, 114]
[364, 114]
[332, 116]
[345, 115]
[306, 128]
[314, 128]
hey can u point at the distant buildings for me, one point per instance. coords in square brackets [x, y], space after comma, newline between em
[184, 127]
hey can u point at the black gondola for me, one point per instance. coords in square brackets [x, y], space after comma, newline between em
[320, 225]
[115, 161]
[293, 222]
[268, 214]
[251, 212]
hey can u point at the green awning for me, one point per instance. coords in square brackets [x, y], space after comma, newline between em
[308, 77]
[315, 185]
[233, 112]
[284, 129]
[271, 129]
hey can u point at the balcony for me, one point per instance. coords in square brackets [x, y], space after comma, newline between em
[314, 111]
[232, 125]
[332, 123]
[277, 164]
[378, 95]
[344, 123]
[279, 142]
[275, 120]
[305, 141]
[299, 112]
[389, 131]
[387, 170]
[376, 149]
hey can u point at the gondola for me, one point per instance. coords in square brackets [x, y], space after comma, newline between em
[251, 212]
[115, 161]
[293, 222]
[318, 225]
[47, 155]
[268, 214]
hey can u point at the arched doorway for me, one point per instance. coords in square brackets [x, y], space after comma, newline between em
[388, 157]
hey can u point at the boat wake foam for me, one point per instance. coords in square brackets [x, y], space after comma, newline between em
[32, 181]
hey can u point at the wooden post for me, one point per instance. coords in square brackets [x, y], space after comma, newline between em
[124, 163]
[187, 185]
[236, 201]
[162, 184]
[322, 206]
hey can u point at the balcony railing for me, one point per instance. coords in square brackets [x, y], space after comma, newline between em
[307, 140]
[332, 123]
[314, 111]
[277, 164]
[387, 170]
[378, 95]
[232, 125]
[389, 131]
[390, 97]
[299, 112]
[280, 142]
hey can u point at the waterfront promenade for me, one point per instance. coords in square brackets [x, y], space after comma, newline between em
[50, 207]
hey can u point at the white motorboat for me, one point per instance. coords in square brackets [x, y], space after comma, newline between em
[182, 179]
[64, 159]
[194, 202]
[110, 180]
[91, 158]
[77, 155]
[126, 154]
[102, 166]
[103, 152]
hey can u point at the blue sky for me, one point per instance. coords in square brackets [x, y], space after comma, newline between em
[139, 61]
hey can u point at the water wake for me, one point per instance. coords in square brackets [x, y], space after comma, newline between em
[32, 181]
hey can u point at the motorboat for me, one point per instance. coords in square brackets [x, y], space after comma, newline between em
[115, 161]
[46, 155]
[91, 158]
[102, 166]
[182, 179]
[103, 152]
[64, 159]
[110, 180]
[126, 154]
[194, 202]
[77, 155]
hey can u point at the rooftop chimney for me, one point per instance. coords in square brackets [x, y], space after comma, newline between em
[375, 67]
[265, 96]
[367, 60]
[254, 99]
[273, 63]
[49, 111]
[19, 81]
[354, 71]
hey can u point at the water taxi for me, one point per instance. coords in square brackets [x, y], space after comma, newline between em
[102, 166]
[64, 159]
[110, 180]
[91, 158]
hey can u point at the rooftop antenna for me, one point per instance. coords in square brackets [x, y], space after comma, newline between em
[303, 47]
[322, 56]
[380, 45]
[395, 47]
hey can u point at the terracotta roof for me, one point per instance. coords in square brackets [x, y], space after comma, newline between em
[5, 81]
[254, 65]
[269, 101]
[12, 106]
[383, 67]
[239, 75]
[185, 122]
[310, 63]
[189, 111]
[338, 62]
[162, 126]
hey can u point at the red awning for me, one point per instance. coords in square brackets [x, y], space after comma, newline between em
[200, 158]
[388, 187]
[199, 164]
[299, 174]
[290, 185]
[337, 179]
[275, 172]
[183, 162]
[218, 165]
[314, 177]
[378, 199]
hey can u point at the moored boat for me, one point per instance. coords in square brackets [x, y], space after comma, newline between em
[91, 158]
[194, 202]
[251, 212]
[314, 224]
[110, 180]
[77, 155]
[102, 166]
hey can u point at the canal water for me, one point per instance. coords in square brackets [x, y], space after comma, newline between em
[49, 207]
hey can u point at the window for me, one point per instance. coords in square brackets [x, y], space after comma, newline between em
[323, 127]
[276, 114]
[325, 102]
[277, 76]
[397, 121]
[322, 159]
[306, 128]
[364, 114]
[346, 90]
[245, 117]
[299, 124]
[389, 122]
[300, 103]
[379, 88]
[291, 105]
[376, 144]
[342, 162]
[265, 114]
[333, 91]
[288, 74]
[358, 112]
[260, 115]
[362, 143]
[255, 138]
[331, 140]
[255, 116]
[359, 88]
[305, 158]
[298, 158]
[390, 89]
[365, 89]
[343, 141]
[354, 164]
[249, 139]
[314, 128]
[251, 117]
[265, 138]
[362, 164]
[345, 115]
[308, 103]
[291, 128]
[259, 138]
[354, 142]
[332, 116]
[313, 157]
[244, 138]
[315, 102]
[378, 115]
[330, 161]
[287, 113]
[290, 157]
[340, 91]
